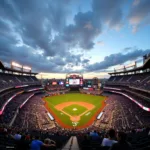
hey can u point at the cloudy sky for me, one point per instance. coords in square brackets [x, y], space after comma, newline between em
[61, 36]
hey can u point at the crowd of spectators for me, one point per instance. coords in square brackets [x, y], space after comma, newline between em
[12, 107]
[141, 81]
[137, 96]
[121, 113]
[111, 139]
[13, 94]
[55, 87]
[5, 95]
[89, 139]
[92, 92]
[136, 86]
[23, 139]
[58, 92]
[33, 115]
[145, 101]
[11, 80]
[123, 125]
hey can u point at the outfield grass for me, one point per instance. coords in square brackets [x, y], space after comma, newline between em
[75, 97]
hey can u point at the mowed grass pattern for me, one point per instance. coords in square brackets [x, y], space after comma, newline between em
[75, 97]
[74, 110]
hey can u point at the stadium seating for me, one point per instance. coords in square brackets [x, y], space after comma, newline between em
[136, 86]
[126, 114]
[34, 115]
[54, 88]
[139, 138]
[11, 80]
[141, 80]
[12, 107]
[5, 95]
[127, 117]
[93, 92]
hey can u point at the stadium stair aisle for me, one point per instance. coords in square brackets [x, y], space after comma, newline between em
[72, 144]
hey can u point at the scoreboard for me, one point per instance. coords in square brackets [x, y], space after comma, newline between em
[74, 80]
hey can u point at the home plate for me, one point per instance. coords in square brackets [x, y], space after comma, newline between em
[74, 109]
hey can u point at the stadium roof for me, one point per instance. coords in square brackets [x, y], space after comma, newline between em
[2, 67]
[145, 66]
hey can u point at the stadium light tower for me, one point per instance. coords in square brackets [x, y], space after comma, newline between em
[26, 67]
[17, 65]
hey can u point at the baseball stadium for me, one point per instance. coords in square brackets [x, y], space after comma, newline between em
[75, 105]
[74, 74]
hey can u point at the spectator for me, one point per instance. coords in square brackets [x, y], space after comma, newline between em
[37, 144]
[51, 144]
[17, 136]
[122, 143]
[110, 140]
[94, 135]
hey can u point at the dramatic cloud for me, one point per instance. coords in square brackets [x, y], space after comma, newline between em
[116, 59]
[43, 34]
[32, 24]
[84, 31]
[109, 11]
[139, 14]
[88, 25]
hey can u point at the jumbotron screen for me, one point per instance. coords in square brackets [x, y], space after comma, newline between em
[74, 81]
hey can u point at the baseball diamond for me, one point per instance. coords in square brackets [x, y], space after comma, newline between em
[74, 110]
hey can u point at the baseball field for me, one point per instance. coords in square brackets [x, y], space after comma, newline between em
[75, 110]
